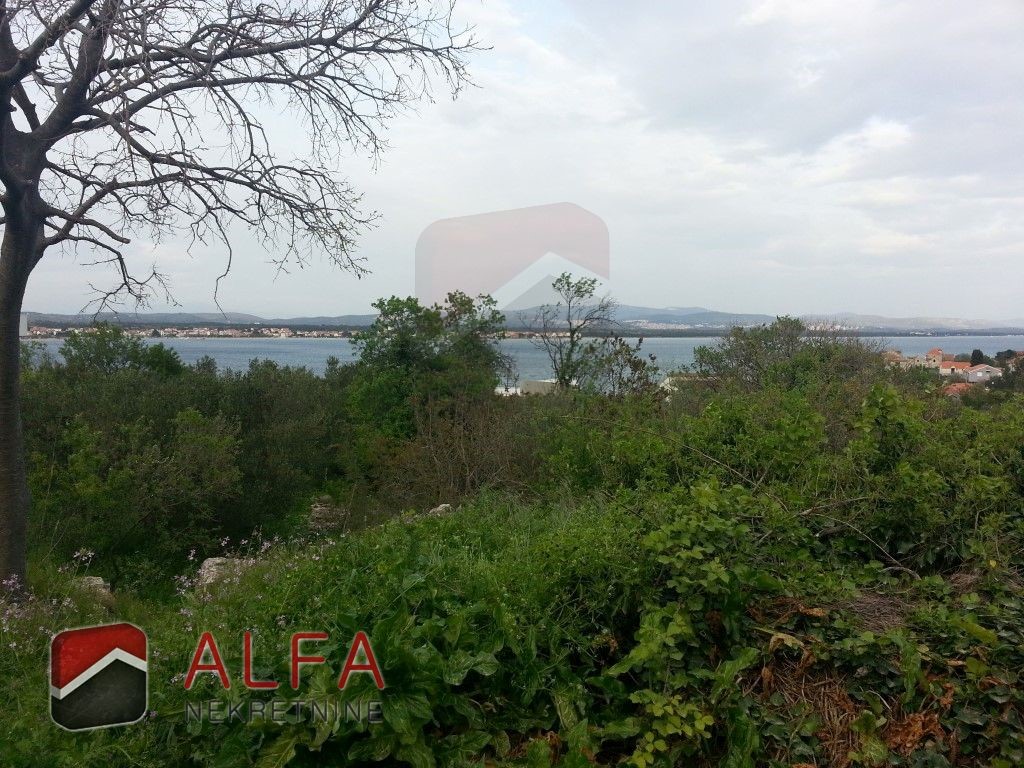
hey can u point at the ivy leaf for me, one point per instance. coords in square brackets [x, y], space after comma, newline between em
[418, 755]
[461, 663]
[280, 752]
[725, 675]
[458, 666]
[975, 630]
[396, 713]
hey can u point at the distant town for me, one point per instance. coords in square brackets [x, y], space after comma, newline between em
[965, 371]
[199, 332]
[254, 331]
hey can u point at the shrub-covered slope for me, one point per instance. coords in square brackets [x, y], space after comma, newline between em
[699, 627]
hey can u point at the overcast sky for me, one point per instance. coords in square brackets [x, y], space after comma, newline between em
[777, 156]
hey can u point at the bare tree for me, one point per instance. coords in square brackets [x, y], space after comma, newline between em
[119, 119]
[560, 329]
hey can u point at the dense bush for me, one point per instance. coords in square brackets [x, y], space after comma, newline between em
[131, 462]
[136, 499]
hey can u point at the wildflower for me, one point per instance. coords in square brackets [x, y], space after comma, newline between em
[11, 582]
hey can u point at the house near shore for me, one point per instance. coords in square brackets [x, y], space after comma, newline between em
[675, 381]
[897, 359]
[538, 387]
[947, 366]
[973, 374]
[953, 368]
[981, 374]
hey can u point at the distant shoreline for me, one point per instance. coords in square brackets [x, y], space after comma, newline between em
[345, 333]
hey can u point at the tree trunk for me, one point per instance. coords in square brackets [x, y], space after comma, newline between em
[14, 495]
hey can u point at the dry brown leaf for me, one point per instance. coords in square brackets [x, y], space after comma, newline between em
[818, 613]
[904, 735]
[780, 639]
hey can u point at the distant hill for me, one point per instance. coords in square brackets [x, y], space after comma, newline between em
[671, 318]
[147, 318]
[694, 317]
[643, 319]
[339, 320]
[877, 322]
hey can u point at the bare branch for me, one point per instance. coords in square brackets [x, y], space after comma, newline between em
[144, 120]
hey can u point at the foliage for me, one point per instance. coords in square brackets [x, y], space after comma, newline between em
[691, 642]
[614, 367]
[138, 501]
[979, 358]
[815, 563]
[655, 629]
[560, 329]
[783, 355]
[413, 353]
[107, 348]
[131, 461]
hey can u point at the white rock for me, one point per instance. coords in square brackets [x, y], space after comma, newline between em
[325, 516]
[215, 569]
[97, 587]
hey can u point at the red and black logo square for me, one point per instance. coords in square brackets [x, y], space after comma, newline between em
[98, 676]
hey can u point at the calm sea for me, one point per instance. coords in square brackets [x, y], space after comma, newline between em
[531, 363]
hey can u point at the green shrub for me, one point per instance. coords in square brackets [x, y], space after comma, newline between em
[133, 498]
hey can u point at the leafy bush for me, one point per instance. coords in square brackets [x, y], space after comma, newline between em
[107, 348]
[134, 499]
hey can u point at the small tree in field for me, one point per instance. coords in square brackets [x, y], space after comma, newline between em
[413, 353]
[561, 328]
[124, 118]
